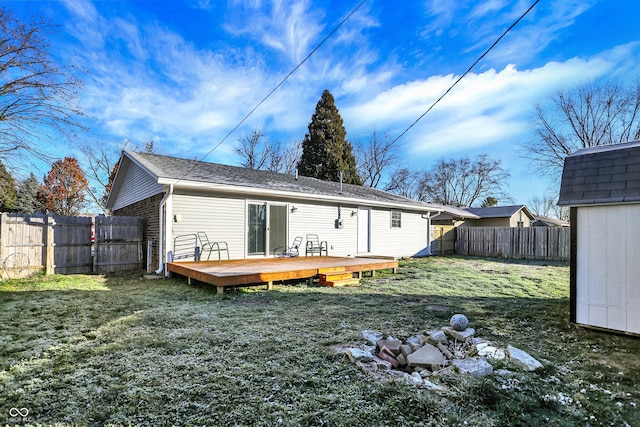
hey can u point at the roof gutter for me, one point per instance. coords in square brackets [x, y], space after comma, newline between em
[161, 230]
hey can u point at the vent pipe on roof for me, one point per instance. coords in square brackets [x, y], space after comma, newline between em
[296, 174]
[340, 182]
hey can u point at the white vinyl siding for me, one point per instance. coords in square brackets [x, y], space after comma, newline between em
[409, 240]
[607, 287]
[137, 185]
[223, 219]
[320, 219]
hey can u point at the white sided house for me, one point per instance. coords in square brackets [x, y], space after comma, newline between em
[601, 185]
[256, 212]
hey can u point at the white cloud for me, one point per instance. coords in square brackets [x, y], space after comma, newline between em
[481, 110]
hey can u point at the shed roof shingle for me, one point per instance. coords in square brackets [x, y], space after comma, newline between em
[601, 175]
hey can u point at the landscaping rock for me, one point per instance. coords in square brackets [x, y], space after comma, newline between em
[372, 336]
[406, 350]
[486, 350]
[522, 359]
[382, 365]
[426, 357]
[387, 357]
[357, 354]
[458, 335]
[437, 337]
[392, 344]
[402, 359]
[459, 322]
[474, 367]
[415, 339]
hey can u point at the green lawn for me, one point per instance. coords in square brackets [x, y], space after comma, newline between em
[101, 350]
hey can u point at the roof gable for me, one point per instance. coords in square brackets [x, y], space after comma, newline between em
[601, 175]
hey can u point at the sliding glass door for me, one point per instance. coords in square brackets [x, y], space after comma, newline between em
[267, 228]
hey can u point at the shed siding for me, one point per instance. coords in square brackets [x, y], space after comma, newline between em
[607, 288]
[137, 185]
[223, 219]
[410, 239]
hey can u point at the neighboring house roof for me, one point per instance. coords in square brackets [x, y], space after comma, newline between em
[187, 173]
[549, 222]
[500, 211]
[601, 175]
[455, 212]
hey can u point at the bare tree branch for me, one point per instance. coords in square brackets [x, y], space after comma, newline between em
[37, 97]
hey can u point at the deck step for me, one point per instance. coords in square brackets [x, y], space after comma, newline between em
[343, 282]
[329, 270]
[334, 276]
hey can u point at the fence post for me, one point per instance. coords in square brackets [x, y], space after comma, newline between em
[3, 234]
[49, 246]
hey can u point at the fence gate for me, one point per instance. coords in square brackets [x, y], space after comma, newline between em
[118, 243]
[71, 236]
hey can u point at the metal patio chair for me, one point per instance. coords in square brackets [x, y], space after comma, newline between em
[315, 246]
[207, 246]
[289, 251]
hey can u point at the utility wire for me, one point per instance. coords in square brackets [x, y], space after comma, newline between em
[313, 51]
[466, 72]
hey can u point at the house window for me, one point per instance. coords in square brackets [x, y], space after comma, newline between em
[396, 219]
[520, 224]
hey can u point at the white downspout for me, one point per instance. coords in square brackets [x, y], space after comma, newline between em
[428, 217]
[161, 230]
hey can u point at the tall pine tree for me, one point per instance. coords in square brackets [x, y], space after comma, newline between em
[325, 150]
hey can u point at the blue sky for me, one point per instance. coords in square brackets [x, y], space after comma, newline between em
[184, 73]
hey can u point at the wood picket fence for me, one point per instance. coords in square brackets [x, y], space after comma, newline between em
[65, 245]
[547, 243]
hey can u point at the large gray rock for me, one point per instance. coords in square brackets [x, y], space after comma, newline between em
[474, 367]
[522, 359]
[426, 357]
[458, 335]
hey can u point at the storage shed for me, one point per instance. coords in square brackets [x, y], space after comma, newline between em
[601, 185]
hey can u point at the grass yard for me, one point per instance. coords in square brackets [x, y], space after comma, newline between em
[95, 350]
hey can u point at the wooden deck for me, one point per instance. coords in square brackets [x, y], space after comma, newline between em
[246, 272]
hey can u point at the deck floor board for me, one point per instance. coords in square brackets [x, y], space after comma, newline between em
[268, 270]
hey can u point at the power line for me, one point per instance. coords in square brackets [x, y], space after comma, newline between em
[313, 51]
[466, 72]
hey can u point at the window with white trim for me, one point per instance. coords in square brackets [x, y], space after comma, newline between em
[396, 219]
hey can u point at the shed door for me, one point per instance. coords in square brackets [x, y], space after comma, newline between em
[364, 230]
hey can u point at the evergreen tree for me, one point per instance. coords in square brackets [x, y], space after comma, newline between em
[8, 194]
[325, 150]
[28, 196]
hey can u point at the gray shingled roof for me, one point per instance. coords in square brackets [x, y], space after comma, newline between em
[173, 168]
[498, 211]
[601, 175]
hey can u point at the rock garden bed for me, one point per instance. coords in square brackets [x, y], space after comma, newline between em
[422, 358]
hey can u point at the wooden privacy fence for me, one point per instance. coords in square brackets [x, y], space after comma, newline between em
[551, 243]
[63, 244]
